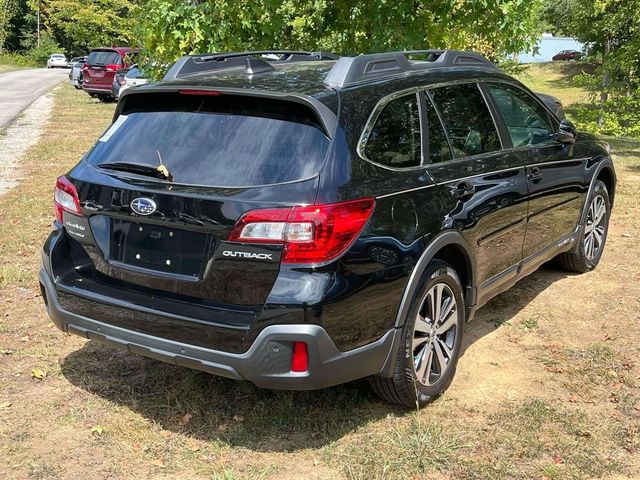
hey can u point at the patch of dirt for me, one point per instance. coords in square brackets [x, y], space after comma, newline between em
[17, 138]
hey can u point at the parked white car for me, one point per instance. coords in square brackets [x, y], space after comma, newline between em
[132, 78]
[57, 60]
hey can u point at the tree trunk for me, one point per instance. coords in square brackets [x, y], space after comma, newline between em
[606, 79]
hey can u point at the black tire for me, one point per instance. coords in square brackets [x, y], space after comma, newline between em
[105, 98]
[404, 388]
[578, 259]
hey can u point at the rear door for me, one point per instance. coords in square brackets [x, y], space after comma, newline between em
[223, 155]
[555, 178]
[483, 187]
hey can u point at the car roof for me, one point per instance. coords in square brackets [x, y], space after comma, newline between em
[308, 78]
[299, 77]
[120, 50]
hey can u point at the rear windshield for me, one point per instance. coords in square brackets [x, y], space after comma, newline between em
[104, 58]
[226, 140]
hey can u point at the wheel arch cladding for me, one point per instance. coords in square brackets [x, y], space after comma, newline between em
[449, 247]
[607, 176]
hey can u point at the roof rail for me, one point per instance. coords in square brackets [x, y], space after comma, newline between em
[210, 62]
[349, 71]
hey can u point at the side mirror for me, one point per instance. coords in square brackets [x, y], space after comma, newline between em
[566, 133]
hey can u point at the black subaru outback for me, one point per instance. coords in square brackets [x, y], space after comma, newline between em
[300, 220]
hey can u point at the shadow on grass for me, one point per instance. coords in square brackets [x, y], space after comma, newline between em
[501, 309]
[240, 414]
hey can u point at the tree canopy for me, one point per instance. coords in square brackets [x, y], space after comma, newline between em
[611, 31]
[171, 28]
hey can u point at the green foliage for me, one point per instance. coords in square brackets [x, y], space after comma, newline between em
[80, 25]
[15, 59]
[38, 55]
[611, 31]
[618, 116]
[8, 9]
[171, 28]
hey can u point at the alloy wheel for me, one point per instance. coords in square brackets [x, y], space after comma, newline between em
[434, 334]
[595, 228]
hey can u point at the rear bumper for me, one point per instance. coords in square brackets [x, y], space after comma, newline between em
[106, 90]
[266, 363]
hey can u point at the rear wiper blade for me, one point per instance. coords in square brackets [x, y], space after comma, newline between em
[139, 168]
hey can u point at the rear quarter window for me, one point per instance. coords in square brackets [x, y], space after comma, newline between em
[224, 141]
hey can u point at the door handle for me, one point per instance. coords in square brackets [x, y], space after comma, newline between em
[463, 191]
[535, 175]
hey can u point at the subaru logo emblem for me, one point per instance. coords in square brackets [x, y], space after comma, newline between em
[143, 206]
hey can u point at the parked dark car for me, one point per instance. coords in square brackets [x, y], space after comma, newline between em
[75, 74]
[300, 221]
[101, 67]
[554, 104]
[567, 55]
[118, 82]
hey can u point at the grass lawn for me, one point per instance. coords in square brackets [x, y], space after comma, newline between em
[548, 386]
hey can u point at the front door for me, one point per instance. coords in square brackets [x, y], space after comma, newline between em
[555, 180]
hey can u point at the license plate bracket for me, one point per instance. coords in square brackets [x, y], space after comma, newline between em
[159, 248]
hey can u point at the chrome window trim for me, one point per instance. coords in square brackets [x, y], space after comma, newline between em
[373, 118]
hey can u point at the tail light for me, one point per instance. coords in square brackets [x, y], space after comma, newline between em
[310, 234]
[112, 67]
[299, 357]
[65, 197]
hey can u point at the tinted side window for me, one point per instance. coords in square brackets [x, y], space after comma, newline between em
[526, 120]
[394, 140]
[439, 150]
[467, 119]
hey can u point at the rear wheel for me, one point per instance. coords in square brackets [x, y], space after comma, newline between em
[431, 339]
[586, 255]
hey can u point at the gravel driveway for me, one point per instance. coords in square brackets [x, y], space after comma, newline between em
[21, 87]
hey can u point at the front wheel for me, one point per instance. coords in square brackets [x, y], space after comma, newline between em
[586, 255]
[431, 340]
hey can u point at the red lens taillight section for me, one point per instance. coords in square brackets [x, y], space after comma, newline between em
[65, 197]
[299, 357]
[112, 67]
[310, 234]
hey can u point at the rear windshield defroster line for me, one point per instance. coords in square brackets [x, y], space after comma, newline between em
[221, 141]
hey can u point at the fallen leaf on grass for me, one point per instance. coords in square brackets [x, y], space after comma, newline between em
[159, 463]
[39, 373]
[5, 352]
[573, 399]
[557, 459]
[185, 419]
[5, 404]
[97, 430]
